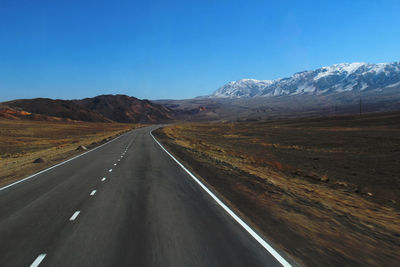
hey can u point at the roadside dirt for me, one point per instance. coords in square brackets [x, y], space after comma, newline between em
[325, 191]
[27, 147]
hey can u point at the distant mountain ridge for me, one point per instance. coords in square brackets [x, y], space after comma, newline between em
[123, 108]
[103, 108]
[338, 78]
[345, 88]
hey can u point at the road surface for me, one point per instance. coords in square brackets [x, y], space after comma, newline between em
[126, 203]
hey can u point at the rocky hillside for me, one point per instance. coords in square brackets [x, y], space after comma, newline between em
[65, 109]
[123, 108]
[104, 108]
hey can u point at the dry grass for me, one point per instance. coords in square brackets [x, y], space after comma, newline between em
[21, 142]
[331, 189]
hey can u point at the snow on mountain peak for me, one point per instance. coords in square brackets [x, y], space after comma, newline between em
[348, 68]
[242, 88]
[331, 79]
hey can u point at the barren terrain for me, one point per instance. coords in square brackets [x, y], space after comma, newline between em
[22, 142]
[326, 191]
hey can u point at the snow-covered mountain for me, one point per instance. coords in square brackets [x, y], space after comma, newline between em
[337, 78]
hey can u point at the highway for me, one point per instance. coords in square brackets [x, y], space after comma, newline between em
[125, 203]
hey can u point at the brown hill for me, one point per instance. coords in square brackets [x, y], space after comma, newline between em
[65, 109]
[123, 108]
[12, 114]
[18, 114]
[103, 108]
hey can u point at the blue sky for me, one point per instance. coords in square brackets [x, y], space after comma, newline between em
[181, 49]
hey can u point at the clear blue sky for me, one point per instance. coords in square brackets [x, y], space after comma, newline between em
[181, 49]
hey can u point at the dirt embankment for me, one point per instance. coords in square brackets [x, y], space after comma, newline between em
[326, 191]
[27, 147]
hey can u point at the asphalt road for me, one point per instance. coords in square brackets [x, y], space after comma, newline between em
[126, 203]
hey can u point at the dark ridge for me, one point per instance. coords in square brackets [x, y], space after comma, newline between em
[123, 108]
[57, 108]
[103, 108]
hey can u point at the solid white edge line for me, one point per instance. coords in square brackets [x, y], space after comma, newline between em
[259, 239]
[93, 192]
[61, 163]
[38, 260]
[73, 217]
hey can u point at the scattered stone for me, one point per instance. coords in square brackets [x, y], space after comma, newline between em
[344, 184]
[81, 148]
[324, 179]
[38, 160]
[370, 194]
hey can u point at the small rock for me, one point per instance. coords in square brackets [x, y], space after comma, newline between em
[81, 148]
[370, 194]
[324, 178]
[344, 184]
[38, 160]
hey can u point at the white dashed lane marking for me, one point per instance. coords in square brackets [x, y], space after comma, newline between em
[73, 217]
[104, 178]
[38, 260]
[93, 192]
[110, 170]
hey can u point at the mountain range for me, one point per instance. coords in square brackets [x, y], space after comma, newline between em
[338, 78]
[123, 108]
[345, 88]
[103, 108]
